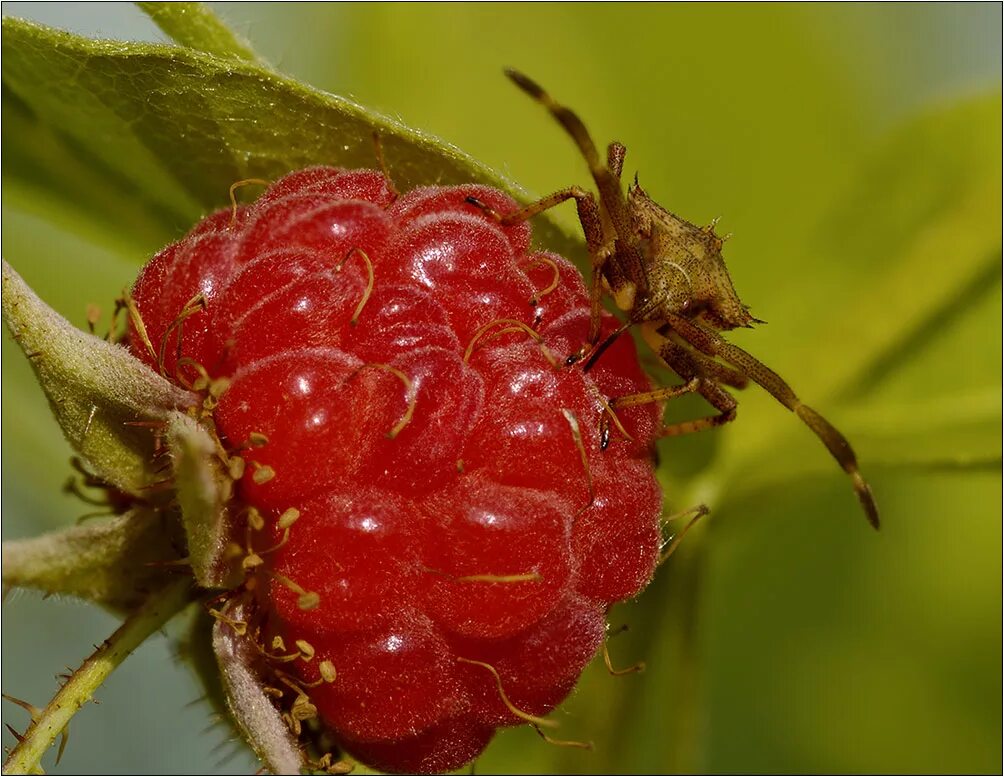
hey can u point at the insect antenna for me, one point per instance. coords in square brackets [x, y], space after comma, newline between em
[714, 345]
[607, 183]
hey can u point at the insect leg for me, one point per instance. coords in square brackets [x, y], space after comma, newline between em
[714, 345]
[615, 158]
[658, 395]
[600, 249]
[721, 373]
[687, 366]
[531, 210]
[607, 182]
[606, 177]
[707, 366]
[719, 399]
[644, 398]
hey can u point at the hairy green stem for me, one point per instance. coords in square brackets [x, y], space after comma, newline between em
[159, 608]
[195, 26]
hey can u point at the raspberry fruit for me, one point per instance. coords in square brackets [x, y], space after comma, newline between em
[444, 530]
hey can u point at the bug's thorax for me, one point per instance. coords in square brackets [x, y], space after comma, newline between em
[685, 269]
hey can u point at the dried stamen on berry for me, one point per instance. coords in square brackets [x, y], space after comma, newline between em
[573, 424]
[525, 577]
[217, 386]
[201, 382]
[381, 160]
[93, 316]
[285, 522]
[304, 652]
[137, 323]
[296, 684]
[409, 393]
[254, 440]
[532, 719]
[196, 304]
[280, 655]
[302, 708]
[233, 195]
[255, 523]
[638, 667]
[538, 294]
[235, 467]
[528, 577]
[327, 670]
[254, 519]
[327, 765]
[288, 517]
[698, 512]
[282, 540]
[240, 627]
[113, 323]
[307, 600]
[369, 281]
[262, 473]
[561, 742]
[513, 326]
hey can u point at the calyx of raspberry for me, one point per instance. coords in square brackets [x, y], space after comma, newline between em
[110, 407]
[104, 400]
[423, 533]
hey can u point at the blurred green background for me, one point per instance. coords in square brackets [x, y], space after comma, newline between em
[854, 150]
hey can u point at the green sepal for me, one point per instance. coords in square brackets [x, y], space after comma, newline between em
[252, 710]
[203, 490]
[108, 403]
[115, 562]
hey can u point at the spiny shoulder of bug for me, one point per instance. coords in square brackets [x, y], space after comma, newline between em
[685, 270]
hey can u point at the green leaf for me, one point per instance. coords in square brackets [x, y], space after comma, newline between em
[103, 397]
[938, 252]
[57, 178]
[909, 354]
[204, 489]
[115, 562]
[176, 127]
[924, 208]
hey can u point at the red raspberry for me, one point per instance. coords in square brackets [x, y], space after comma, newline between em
[404, 359]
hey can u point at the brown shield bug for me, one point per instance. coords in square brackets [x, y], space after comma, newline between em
[670, 279]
